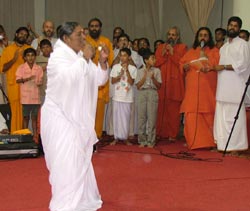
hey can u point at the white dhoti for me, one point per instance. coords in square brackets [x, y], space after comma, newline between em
[223, 122]
[109, 119]
[121, 119]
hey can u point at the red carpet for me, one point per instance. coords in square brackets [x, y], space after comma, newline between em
[135, 179]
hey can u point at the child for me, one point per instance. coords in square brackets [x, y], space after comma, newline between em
[29, 75]
[122, 76]
[148, 81]
[42, 60]
[46, 49]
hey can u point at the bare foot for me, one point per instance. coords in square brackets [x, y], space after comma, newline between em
[113, 142]
[127, 142]
[151, 146]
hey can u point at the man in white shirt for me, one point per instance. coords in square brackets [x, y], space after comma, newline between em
[48, 33]
[233, 72]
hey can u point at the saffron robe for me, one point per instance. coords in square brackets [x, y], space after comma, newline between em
[171, 92]
[67, 129]
[13, 88]
[103, 91]
[199, 100]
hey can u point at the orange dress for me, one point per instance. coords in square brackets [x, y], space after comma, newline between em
[13, 88]
[171, 92]
[199, 101]
[103, 91]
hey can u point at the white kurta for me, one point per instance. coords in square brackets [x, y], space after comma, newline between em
[230, 88]
[67, 129]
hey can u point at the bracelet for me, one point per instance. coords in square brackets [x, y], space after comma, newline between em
[22, 80]
[225, 67]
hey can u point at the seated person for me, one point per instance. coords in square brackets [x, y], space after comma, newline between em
[3, 126]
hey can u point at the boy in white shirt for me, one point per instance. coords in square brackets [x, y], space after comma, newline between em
[122, 76]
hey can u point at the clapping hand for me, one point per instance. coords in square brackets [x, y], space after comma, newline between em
[104, 53]
[88, 51]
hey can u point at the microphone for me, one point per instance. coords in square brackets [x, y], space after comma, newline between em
[202, 43]
[170, 42]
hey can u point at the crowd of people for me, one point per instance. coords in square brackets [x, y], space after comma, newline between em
[146, 94]
[148, 91]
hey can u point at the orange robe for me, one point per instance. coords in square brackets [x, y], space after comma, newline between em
[13, 88]
[199, 100]
[103, 92]
[171, 92]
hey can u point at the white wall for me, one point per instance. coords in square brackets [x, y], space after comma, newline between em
[39, 10]
[241, 8]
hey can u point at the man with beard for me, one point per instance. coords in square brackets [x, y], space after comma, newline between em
[198, 104]
[97, 41]
[171, 92]
[11, 58]
[234, 70]
[48, 33]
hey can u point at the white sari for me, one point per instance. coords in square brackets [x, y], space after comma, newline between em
[67, 129]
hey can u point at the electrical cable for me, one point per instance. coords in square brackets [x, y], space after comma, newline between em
[182, 155]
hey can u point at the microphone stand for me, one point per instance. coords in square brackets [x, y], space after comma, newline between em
[237, 114]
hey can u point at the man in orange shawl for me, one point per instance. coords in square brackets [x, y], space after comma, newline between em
[171, 92]
[200, 88]
[97, 41]
[11, 58]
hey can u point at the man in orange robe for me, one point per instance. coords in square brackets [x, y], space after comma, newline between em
[12, 57]
[200, 88]
[171, 92]
[97, 41]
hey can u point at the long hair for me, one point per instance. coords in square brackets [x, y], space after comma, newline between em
[210, 43]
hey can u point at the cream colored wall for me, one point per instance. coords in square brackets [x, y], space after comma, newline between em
[39, 8]
[172, 14]
[241, 9]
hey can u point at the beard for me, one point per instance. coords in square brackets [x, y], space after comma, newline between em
[48, 33]
[232, 34]
[94, 33]
[171, 41]
[20, 41]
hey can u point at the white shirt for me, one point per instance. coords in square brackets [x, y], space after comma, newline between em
[123, 91]
[231, 84]
[34, 43]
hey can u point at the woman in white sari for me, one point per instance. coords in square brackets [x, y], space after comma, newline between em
[68, 118]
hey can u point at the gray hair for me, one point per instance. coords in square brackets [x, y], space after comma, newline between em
[67, 29]
[178, 32]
